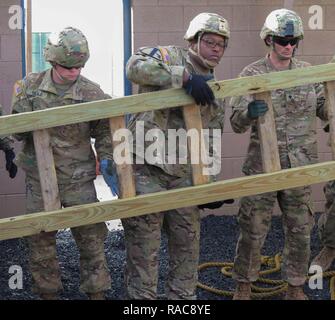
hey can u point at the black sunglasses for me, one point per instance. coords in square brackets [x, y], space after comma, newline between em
[69, 68]
[284, 41]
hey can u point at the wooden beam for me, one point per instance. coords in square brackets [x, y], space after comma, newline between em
[46, 170]
[192, 118]
[268, 136]
[124, 171]
[83, 112]
[330, 102]
[161, 201]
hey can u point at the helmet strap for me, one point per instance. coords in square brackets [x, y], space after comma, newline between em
[64, 80]
[208, 64]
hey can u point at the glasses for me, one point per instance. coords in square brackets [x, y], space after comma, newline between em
[212, 44]
[284, 41]
[69, 68]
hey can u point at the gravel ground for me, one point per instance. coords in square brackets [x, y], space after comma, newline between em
[218, 238]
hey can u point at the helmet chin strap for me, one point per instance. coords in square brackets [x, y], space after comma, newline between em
[208, 64]
[64, 80]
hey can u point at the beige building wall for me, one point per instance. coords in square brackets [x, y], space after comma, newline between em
[164, 22]
[12, 199]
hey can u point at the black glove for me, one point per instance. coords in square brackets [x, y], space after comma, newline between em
[197, 87]
[326, 128]
[10, 165]
[215, 205]
[257, 108]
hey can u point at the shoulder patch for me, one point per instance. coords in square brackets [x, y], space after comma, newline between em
[18, 88]
[165, 55]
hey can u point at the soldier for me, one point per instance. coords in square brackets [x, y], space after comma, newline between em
[74, 161]
[295, 112]
[326, 225]
[156, 68]
[6, 145]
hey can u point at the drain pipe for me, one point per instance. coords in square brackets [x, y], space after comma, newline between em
[23, 39]
[127, 43]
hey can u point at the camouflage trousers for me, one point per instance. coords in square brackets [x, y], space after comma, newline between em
[326, 222]
[143, 239]
[90, 239]
[254, 218]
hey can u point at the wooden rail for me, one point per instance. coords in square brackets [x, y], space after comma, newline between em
[177, 198]
[83, 112]
[275, 179]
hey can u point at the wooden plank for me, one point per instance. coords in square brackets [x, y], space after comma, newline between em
[330, 102]
[161, 201]
[83, 112]
[47, 171]
[124, 171]
[192, 118]
[268, 136]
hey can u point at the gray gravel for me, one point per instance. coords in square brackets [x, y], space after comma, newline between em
[218, 239]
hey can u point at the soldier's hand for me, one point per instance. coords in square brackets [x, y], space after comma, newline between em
[10, 165]
[215, 205]
[257, 108]
[197, 87]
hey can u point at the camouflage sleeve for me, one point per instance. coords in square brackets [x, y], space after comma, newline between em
[321, 107]
[239, 119]
[100, 131]
[150, 67]
[20, 103]
[6, 143]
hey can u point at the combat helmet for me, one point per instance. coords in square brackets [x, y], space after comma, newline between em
[203, 23]
[69, 48]
[282, 23]
[207, 22]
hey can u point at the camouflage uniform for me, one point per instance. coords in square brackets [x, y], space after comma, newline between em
[295, 112]
[155, 69]
[6, 143]
[75, 167]
[326, 222]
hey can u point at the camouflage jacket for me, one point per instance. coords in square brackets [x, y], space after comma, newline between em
[71, 144]
[6, 143]
[295, 111]
[162, 68]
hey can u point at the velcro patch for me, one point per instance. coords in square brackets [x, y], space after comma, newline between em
[18, 88]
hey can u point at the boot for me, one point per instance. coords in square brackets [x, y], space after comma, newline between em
[49, 296]
[96, 295]
[295, 293]
[242, 291]
[325, 258]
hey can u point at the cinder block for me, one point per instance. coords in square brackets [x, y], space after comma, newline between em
[181, 2]
[250, 17]
[10, 48]
[172, 38]
[139, 3]
[158, 19]
[145, 39]
[319, 43]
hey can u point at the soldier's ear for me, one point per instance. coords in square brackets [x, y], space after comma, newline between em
[268, 41]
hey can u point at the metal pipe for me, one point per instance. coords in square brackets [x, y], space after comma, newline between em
[127, 42]
[23, 40]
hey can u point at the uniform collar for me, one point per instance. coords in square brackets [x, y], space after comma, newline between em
[47, 85]
[270, 67]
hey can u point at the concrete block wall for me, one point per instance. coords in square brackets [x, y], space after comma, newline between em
[164, 22]
[12, 198]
